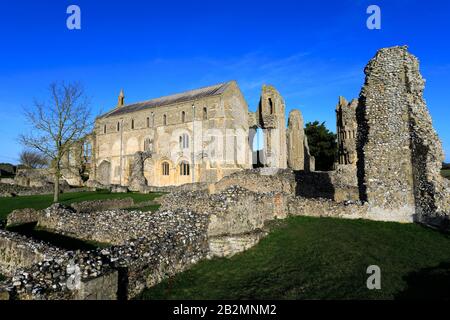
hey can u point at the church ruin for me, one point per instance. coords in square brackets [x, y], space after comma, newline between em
[388, 170]
[198, 136]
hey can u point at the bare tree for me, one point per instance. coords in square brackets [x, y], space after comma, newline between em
[33, 159]
[57, 125]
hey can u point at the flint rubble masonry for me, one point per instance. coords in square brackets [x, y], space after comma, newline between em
[399, 152]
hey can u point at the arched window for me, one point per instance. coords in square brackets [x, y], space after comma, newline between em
[184, 168]
[104, 128]
[87, 149]
[164, 120]
[205, 113]
[132, 124]
[165, 168]
[271, 106]
[148, 122]
[118, 126]
[184, 141]
[183, 116]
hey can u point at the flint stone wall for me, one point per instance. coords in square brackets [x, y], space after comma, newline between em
[109, 226]
[399, 152]
[17, 251]
[22, 216]
[99, 205]
[9, 190]
[237, 216]
[173, 242]
[260, 180]
[339, 185]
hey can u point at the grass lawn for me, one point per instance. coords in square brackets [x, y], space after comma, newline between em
[7, 205]
[446, 173]
[323, 258]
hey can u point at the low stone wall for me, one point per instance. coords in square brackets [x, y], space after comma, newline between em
[23, 216]
[198, 186]
[34, 178]
[260, 180]
[174, 241]
[7, 180]
[226, 246]
[339, 185]
[10, 190]
[237, 216]
[109, 226]
[17, 251]
[99, 205]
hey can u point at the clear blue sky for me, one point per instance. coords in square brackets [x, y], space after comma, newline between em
[312, 51]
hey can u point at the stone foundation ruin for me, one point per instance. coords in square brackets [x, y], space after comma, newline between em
[388, 170]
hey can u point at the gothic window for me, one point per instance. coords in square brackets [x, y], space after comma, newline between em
[148, 122]
[164, 120]
[165, 168]
[205, 113]
[184, 168]
[118, 126]
[184, 141]
[132, 124]
[183, 116]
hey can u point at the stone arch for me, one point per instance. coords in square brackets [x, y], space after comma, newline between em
[104, 172]
[256, 143]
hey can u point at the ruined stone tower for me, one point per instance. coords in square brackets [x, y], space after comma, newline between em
[295, 136]
[272, 119]
[298, 156]
[399, 152]
[346, 127]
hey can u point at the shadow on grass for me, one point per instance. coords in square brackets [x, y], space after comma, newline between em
[55, 239]
[428, 283]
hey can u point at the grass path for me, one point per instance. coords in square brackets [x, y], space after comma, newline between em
[323, 258]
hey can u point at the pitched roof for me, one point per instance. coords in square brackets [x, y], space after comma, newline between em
[168, 100]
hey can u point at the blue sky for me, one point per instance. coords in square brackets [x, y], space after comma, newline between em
[312, 51]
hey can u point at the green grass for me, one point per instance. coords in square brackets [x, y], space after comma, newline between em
[7, 205]
[446, 173]
[323, 258]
